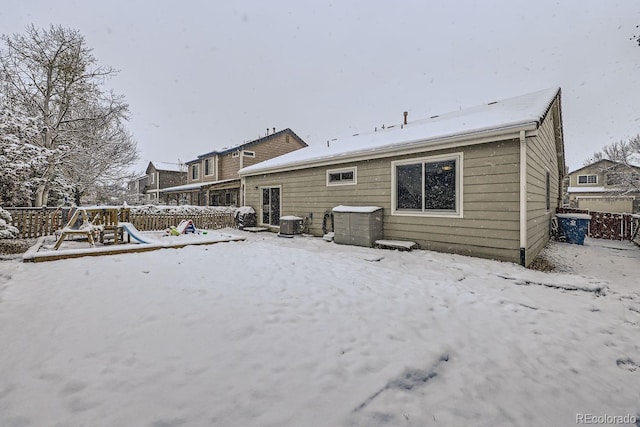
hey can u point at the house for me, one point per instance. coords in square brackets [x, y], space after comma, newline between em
[213, 178]
[135, 189]
[605, 186]
[158, 175]
[483, 181]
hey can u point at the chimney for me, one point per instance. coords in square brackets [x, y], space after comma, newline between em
[267, 131]
[274, 130]
[406, 113]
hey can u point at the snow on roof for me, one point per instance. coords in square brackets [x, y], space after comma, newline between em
[246, 144]
[168, 166]
[184, 187]
[590, 190]
[502, 115]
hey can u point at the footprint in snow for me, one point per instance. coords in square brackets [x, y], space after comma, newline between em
[627, 363]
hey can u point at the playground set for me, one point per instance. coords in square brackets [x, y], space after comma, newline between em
[110, 226]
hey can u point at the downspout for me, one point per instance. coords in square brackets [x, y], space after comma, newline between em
[523, 199]
[243, 191]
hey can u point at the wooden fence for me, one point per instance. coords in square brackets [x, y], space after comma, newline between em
[609, 225]
[207, 221]
[36, 222]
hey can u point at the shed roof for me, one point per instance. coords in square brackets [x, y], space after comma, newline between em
[509, 115]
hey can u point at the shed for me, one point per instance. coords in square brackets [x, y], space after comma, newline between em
[357, 225]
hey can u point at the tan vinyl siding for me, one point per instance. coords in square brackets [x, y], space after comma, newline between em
[268, 149]
[274, 147]
[541, 157]
[229, 167]
[489, 228]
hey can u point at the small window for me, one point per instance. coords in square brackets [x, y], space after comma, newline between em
[235, 154]
[249, 153]
[587, 179]
[347, 176]
[431, 186]
[548, 191]
[208, 166]
[195, 172]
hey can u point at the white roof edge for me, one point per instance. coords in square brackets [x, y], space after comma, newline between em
[431, 143]
[184, 187]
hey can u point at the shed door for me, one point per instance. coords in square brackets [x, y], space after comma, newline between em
[271, 205]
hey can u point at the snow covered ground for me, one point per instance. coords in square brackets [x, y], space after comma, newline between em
[302, 332]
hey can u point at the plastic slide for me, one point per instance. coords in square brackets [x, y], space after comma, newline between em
[186, 226]
[135, 234]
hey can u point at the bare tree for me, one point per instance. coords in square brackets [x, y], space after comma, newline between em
[621, 169]
[51, 74]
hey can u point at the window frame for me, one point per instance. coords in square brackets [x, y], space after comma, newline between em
[209, 160]
[352, 169]
[547, 190]
[431, 213]
[195, 171]
[249, 153]
[235, 154]
[587, 179]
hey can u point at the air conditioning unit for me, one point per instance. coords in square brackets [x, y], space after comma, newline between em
[290, 225]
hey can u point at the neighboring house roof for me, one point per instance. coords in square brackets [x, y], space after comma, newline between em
[196, 186]
[166, 167]
[179, 188]
[524, 112]
[242, 146]
[610, 162]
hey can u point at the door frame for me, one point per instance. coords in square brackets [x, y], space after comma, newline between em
[262, 188]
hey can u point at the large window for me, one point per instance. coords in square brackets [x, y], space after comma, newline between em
[587, 179]
[346, 176]
[195, 172]
[208, 166]
[429, 186]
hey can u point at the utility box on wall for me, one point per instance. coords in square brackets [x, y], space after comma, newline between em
[357, 225]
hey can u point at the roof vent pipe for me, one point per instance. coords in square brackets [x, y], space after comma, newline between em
[406, 113]
[274, 130]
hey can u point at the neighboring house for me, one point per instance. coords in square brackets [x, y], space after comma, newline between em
[213, 178]
[135, 189]
[483, 181]
[159, 175]
[605, 186]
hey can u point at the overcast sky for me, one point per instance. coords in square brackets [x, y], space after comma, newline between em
[201, 75]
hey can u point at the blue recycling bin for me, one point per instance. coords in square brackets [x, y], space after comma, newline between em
[574, 227]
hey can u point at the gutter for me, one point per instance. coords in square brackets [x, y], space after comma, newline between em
[523, 198]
